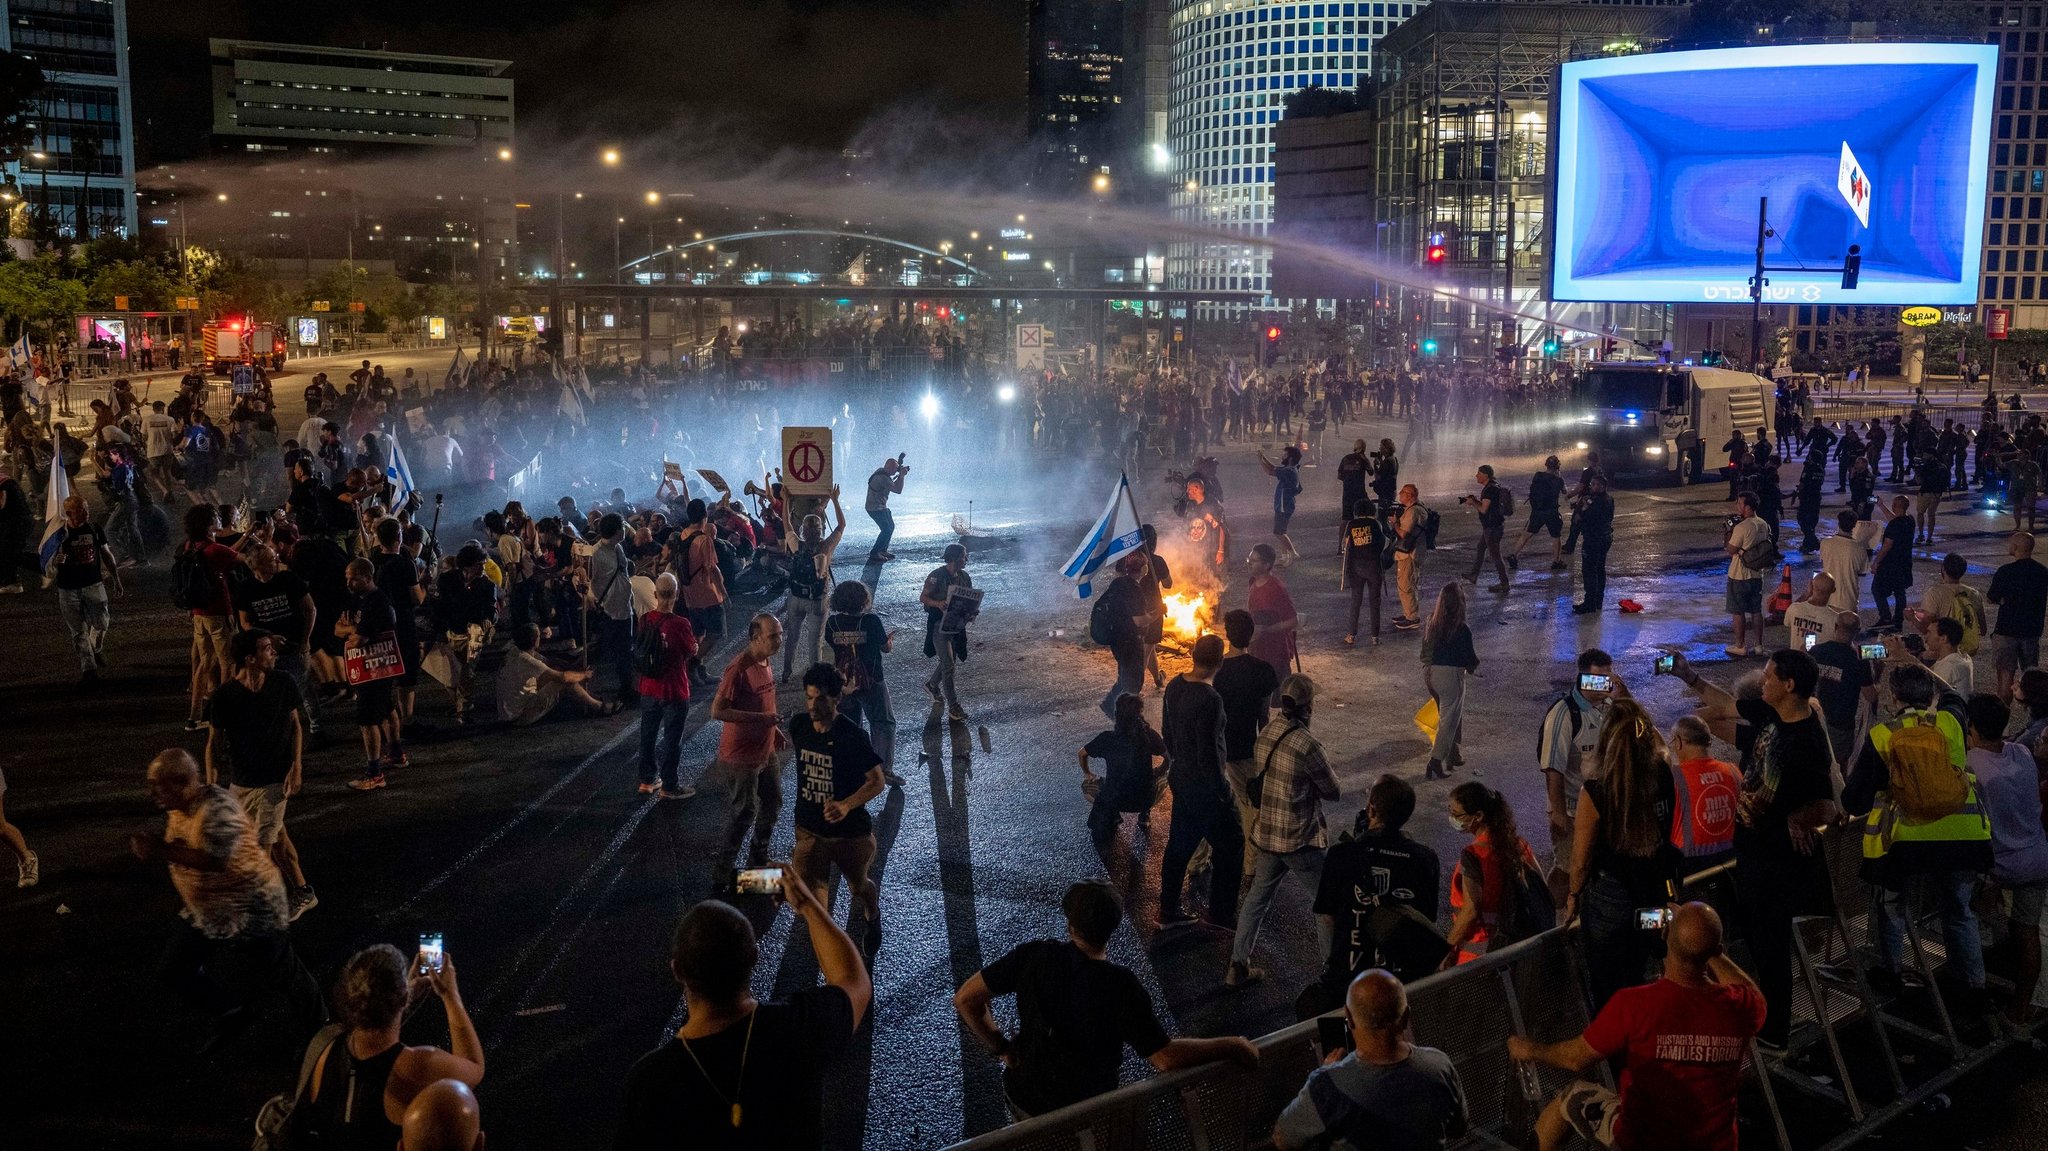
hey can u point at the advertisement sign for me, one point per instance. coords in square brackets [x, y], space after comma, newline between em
[437, 327]
[308, 329]
[807, 461]
[1997, 323]
[1920, 317]
[1662, 159]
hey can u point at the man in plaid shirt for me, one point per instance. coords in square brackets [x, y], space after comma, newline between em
[1292, 781]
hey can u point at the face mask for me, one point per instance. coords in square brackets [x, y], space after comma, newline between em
[1457, 825]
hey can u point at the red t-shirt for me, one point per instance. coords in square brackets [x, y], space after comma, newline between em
[1684, 1048]
[673, 686]
[747, 686]
[219, 562]
[1270, 604]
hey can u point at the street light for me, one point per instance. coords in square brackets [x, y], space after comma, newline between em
[654, 197]
[504, 153]
[611, 157]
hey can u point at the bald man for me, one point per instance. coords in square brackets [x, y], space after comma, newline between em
[1386, 1092]
[1684, 1037]
[442, 1117]
[236, 899]
[1813, 616]
[2020, 589]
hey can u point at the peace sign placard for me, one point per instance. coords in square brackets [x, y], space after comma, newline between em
[807, 461]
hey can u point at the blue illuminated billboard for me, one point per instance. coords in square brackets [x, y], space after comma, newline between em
[1661, 160]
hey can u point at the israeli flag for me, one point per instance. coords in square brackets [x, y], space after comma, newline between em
[400, 474]
[458, 369]
[19, 355]
[53, 510]
[1114, 536]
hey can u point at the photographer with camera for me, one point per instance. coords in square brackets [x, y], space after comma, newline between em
[884, 480]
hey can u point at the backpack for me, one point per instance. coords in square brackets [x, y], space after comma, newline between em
[1925, 784]
[1526, 906]
[1102, 620]
[1571, 709]
[1505, 505]
[650, 651]
[803, 581]
[1965, 610]
[1431, 522]
[188, 579]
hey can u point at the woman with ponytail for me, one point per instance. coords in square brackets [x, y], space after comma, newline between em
[1622, 858]
[1481, 883]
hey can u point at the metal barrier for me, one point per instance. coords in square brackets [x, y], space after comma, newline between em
[1532, 988]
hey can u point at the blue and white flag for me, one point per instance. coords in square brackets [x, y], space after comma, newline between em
[19, 355]
[1114, 536]
[458, 369]
[400, 474]
[53, 510]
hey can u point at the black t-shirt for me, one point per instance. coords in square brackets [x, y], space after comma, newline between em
[273, 604]
[1247, 684]
[257, 728]
[1491, 516]
[1127, 767]
[1643, 876]
[1934, 477]
[1365, 539]
[1784, 767]
[1544, 492]
[1898, 562]
[830, 765]
[1844, 673]
[373, 615]
[857, 641]
[670, 1103]
[1192, 724]
[1358, 875]
[1121, 602]
[79, 552]
[396, 577]
[2020, 589]
[1074, 1016]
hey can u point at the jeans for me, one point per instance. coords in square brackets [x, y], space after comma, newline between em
[1447, 687]
[1130, 675]
[85, 615]
[796, 609]
[1952, 892]
[1371, 584]
[661, 738]
[940, 682]
[615, 636]
[885, 530]
[219, 974]
[870, 708]
[1209, 820]
[1268, 869]
[291, 663]
[753, 796]
[1617, 951]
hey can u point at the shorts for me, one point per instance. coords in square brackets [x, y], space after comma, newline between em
[2010, 654]
[815, 854]
[1591, 1110]
[265, 808]
[1280, 522]
[210, 641]
[375, 702]
[2027, 901]
[1546, 520]
[1746, 596]
[1926, 502]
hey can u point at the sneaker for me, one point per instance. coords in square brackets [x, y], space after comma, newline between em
[1406, 625]
[28, 872]
[1515, 563]
[679, 793]
[1242, 975]
[1177, 918]
[957, 716]
[649, 788]
[891, 778]
[11, 589]
[402, 759]
[195, 725]
[1735, 652]
[301, 901]
[370, 780]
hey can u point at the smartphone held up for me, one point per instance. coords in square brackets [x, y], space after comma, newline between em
[430, 953]
[757, 881]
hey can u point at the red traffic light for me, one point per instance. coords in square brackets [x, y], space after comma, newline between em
[1436, 254]
[1272, 334]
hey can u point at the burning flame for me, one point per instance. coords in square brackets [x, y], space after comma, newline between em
[1187, 616]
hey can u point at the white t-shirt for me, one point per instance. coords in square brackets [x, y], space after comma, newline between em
[1746, 535]
[159, 432]
[1806, 616]
[1847, 560]
[1956, 670]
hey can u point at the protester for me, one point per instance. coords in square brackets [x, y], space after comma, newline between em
[465, 610]
[398, 577]
[1076, 1012]
[1491, 506]
[837, 773]
[1364, 544]
[278, 601]
[2020, 590]
[1381, 866]
[363, 1085]
[1683, 1039]
[1127, 751]
[1703, 822]
[1192, 724]
[664, 647]
[1447, 658]
[1566, 744]
[858, 642]
[1409, 546]
[1546, 492]
[1810, 620]
[236, 924]
[749, 744]
[1622, 855]
[444, 1116]
[530, 688]
[85, 565]
[2011, 786]
[696, 567]
[255, 714]
[1118, 621]
[1248, 686]
[1746, 538]
[199, 583]
[1482, 882]
[1846, 561]
[1385, 1090]
[1276, 624]
[15, 522]
[741, 1074]
[1891, 569]
[1287, 832]
[949, 647]
[1286, 486]
[810, 575]
[368, 622]
[882, 482]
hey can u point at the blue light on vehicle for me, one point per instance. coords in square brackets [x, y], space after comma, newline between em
[1633, 416]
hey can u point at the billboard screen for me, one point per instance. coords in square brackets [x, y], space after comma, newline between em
[1661, 160]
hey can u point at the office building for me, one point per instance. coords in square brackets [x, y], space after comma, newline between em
[1075, 89]
[80, 168]
[1234, 62]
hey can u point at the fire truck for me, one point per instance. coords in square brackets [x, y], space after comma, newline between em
[230, 341]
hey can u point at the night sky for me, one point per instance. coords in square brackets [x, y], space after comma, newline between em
[748, 74]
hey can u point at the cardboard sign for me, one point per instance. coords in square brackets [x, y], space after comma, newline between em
[716, 481]
[672, 470]
[806, 461]
[370, 662]
[963, 606]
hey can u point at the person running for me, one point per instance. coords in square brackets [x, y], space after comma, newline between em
[1447, 658]
[837, 773]
[858, 641]
[664, 691]
[1286, 486]
[255, 714]
[949, 647]
[85, 564]
[1546, 493]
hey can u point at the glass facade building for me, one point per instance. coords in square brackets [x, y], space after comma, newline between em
[82, 161]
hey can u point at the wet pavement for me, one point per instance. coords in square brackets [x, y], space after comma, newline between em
[556, 885]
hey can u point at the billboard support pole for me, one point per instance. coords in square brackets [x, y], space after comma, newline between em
[1756, 284]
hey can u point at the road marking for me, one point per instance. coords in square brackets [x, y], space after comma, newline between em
[552, 1007]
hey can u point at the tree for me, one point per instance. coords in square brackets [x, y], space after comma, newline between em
[1316, 100]
[40, 293]
[142, 281]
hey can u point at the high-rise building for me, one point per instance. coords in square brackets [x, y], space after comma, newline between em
[1234, 62]
[81, 165]
[302, 110]
[1075, 89]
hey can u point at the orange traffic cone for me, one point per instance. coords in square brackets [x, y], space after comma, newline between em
[1782, 598]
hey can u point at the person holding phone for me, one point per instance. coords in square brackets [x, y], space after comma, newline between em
[1622, 858]
[883, 482]
[741, 1074]
[1377, 1083]
[364, 1079]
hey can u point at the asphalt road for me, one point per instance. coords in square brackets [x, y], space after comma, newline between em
[556, 885]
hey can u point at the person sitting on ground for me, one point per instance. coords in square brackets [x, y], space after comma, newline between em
[1386, 1091]
[1076, 1011]
[1683, 1038]
[442, 1117]
[528, 688]
[365, 1080]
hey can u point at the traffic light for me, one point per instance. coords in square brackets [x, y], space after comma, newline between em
[1550, 344]
[1429, 347]
[1435, 254]
[1272, 334]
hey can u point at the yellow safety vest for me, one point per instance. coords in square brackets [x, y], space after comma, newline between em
[1885, 828]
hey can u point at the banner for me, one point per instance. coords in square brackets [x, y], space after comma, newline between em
[373, 661]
